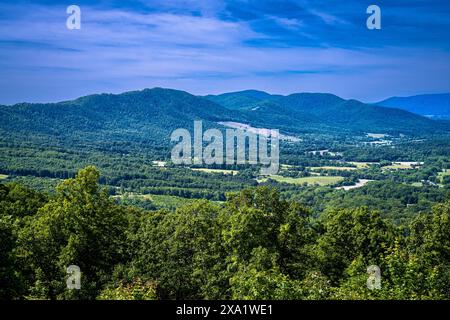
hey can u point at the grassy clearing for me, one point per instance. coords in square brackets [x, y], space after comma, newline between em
[443, 174]
[132, 195]
[362, 165]
[164, 201]
[314, 180]
[3, 176]
[232, 172]
[333, 168]
[403, 165]
[398, 167]
[159, 201]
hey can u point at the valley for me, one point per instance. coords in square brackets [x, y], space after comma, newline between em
[317, 158]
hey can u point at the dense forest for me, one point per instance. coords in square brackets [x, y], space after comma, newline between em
[254, 245]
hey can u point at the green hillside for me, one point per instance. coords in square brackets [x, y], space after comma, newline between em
[320, 112]
[151, 114]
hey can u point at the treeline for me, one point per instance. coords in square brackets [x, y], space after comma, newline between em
[254, 246]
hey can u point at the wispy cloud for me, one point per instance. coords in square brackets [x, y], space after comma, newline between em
[328, 18]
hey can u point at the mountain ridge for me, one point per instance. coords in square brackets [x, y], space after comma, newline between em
[431, 105]
[311, 109]
[153, 113]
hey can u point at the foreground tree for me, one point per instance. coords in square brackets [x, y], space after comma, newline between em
[80, 226]
[17, 204]
[412, 267]
[180, 251]
[268, 241]
[11, 285]
[352, 234]
[429, 244]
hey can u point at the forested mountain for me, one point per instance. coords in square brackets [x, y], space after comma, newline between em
[432, 105]
[241, 100]
[320, 112]
[139, 115]
[151, 114]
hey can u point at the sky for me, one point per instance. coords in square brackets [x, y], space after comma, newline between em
[210, 47]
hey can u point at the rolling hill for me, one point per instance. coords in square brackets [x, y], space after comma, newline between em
[320, 112]
[430, 105]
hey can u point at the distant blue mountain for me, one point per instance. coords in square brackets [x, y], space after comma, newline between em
[430, 105]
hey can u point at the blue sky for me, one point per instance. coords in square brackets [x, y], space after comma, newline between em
[210, 46]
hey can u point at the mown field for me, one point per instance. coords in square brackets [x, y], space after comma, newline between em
[222, 171]
[333, 168]
[314, 180]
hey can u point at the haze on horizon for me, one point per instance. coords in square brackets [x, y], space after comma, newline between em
[211, 47]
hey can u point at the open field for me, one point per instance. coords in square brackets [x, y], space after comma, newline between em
[3, 176]
[132, 195]
[315, 180]
[260, 131]
[362, 165]
[233, 172]
[333, 168]
[417, 184]
[397, 167]
[402, 166]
